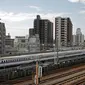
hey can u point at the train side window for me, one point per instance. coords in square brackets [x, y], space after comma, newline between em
[2, 61]
[17, 60]
[6, 61]
[24, 58]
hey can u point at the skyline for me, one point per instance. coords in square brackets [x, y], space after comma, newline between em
[18, 15]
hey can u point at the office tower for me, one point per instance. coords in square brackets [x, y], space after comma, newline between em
[63, 31]
[44, 28]
[79, 37]
[31, 32]
[2, 38]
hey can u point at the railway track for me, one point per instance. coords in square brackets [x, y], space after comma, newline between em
[70, 72]
[58, 74]
[69, 81]
[79, 81]
[65, 78]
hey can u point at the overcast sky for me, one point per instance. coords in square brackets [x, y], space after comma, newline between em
[18, 15]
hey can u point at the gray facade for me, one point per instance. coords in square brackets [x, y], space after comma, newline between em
[31, 32]
[63, 31]
[44, 28]
[2, 38]
[34, 44]
[21, 44]
[9, 41]
[79, 37]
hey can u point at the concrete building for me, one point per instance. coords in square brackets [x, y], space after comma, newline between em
[9, 41]
[37, 25]
[2, 38]
[20, 43]
[44, 28]
[74, 40]
[79, 37]
[63, 31]
[31, 32]
[34, 43]
[9, 45]
[27, 36]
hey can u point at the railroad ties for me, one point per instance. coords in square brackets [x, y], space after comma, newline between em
[74, 76]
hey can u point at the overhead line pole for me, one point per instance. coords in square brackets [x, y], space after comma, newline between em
[56, 60]
[57, 51]
[37, 83]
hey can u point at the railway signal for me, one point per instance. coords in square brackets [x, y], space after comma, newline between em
[39, 71]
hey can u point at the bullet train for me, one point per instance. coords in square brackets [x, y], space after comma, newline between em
[21, 58]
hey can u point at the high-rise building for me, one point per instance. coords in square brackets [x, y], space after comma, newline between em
[44, 28]
[2, 38]
[63, 31]
[79, 37]
[31, 32]
[37, 25]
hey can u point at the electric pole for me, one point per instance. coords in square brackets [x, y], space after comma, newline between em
[56, 58]
[37, 83]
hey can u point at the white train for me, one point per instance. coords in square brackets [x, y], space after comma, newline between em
[21, 58]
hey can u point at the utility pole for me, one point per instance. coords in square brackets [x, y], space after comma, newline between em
[56, 49]
[55, 55]
[37, 83]
[36, 76]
